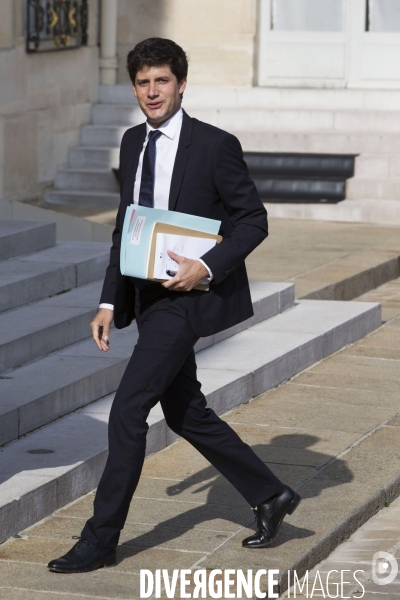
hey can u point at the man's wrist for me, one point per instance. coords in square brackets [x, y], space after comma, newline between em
[105, 305]
[210, 275]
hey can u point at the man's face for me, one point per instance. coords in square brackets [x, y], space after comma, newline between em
[158, 93]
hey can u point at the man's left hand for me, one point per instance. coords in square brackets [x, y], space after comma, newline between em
[190, 273]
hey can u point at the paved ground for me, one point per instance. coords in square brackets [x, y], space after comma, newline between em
[380, 534]
[332, 432]
[389, 297]
[330, 261]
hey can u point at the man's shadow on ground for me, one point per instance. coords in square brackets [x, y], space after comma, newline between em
[224, 502]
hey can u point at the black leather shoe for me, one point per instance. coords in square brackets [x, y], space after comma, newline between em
[269, 516]
[83, 557]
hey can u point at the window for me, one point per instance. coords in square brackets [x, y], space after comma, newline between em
[383, 15]
[56, 25]
[308, 15]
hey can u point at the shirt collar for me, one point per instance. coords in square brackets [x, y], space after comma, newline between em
[171, 127]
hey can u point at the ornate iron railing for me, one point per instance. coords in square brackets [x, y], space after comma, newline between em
[56, 24]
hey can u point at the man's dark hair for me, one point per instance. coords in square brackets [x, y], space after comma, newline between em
[157, 52]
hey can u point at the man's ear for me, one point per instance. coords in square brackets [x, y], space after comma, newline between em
[134, 91]
[182, 85]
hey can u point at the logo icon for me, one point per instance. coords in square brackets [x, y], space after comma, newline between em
[384, 568]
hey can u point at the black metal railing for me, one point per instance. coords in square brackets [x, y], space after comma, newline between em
[56, 24]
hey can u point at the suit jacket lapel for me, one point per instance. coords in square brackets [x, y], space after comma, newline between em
[182, 155]
[134, 153]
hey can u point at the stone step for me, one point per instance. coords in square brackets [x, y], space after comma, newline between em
[101, 135]
[264, 118]
[316, 142]
[382, 212]
[49, 272]
[106, 201]
[37, 329]
[117, 114]
[84, 157]
[80, 374]
[102, 180]
[54, 465]
[22, 237]
[377, 166]
[259, 119]
[366, 188]
[312, 142]
[274, 98]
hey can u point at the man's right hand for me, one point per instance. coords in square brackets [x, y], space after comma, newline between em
[101, 328]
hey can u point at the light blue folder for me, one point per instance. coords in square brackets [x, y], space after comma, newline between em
[138, 229]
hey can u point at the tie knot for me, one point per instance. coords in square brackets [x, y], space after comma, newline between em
[154, 135]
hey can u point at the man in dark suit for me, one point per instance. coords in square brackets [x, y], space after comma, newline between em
[176, 163]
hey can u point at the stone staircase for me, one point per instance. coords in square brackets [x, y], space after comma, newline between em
[365, 123]
[56, 388]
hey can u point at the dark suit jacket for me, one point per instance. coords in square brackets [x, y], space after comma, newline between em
[210, 179]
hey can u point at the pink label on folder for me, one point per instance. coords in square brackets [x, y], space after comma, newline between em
[132, 215]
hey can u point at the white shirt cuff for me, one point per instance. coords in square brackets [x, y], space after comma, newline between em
[210, 275]
[109, 306]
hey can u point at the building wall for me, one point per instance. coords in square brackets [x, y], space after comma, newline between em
[44, 100]
[219, 36]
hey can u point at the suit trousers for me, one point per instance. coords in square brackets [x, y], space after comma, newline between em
[163, 369]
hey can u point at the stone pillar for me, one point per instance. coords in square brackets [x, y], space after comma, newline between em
[108, 41]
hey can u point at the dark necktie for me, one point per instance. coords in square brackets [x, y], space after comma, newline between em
[146, 194]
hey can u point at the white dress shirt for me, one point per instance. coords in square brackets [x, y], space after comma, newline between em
[166, 148]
